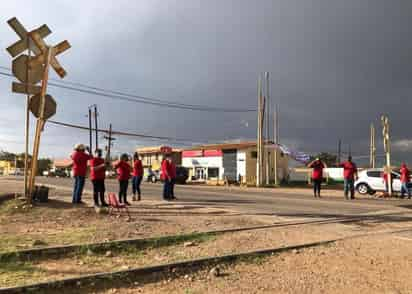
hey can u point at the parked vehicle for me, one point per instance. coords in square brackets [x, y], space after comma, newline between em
[182, 174]
[58, 173]
[152, 176]
[370, 181]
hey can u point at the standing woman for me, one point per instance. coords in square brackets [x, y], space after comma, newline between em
[98, 175]
[137, 176]
[166, 179]
[123, 175]
[80, 159]
[317, 175]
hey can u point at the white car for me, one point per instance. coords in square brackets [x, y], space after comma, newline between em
[370, 181]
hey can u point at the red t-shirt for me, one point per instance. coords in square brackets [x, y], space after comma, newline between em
[123, 170]
[172, 170]
[165, 170]
[137, 168]
[349, 170]
[98, 174]
[80, 163]
[317, 173]
[405, 175]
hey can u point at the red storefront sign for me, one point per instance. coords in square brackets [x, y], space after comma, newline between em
[212, 153]
[166, 149]
[192, 153]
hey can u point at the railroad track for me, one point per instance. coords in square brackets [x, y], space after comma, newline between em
[179, 268]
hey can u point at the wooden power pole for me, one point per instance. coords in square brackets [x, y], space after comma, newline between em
[259, 135]
[267, 107]
[387, 147]
[372, 147]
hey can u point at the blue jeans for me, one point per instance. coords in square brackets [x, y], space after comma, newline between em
[136, 185]
[405, 189]
[172, 188]
[166, 189]
[78, 188]
[348, 185]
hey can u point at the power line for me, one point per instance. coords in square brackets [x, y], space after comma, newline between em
[121, 133]
[131, 97]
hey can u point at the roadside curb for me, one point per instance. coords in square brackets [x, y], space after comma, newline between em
[139, 273]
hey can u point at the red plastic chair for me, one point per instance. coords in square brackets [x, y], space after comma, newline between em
[114, 204]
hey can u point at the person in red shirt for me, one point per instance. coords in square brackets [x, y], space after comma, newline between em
[98, 175]
[317, 175]
[405, 179]
[137, 176]
[172, 174]
[165, 176]
[350, 172]
[123, 175]
[79, 158]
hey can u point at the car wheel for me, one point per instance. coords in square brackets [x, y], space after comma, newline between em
[363, 189]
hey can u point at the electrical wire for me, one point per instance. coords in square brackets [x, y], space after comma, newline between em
[131, 97]
[121, 133]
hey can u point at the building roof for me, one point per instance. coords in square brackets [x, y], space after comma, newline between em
[225, 146]
[154, 149]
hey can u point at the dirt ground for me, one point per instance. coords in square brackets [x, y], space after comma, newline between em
[60, 223]
[380, 264]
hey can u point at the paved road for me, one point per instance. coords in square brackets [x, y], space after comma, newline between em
[252, 201]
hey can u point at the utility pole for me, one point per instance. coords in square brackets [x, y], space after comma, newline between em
[258, 149]
[372, 148]
[90, 130]
[387, 147]
[267, 106]
[276, 139]
[339, 159]
[109, 143]
[95, 126]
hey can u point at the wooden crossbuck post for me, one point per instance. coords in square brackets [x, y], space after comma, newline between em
[30, 71]
[40, 121]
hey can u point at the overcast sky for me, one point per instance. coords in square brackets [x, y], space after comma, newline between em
[335, 67]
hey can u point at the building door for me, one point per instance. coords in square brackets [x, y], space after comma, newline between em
[229, 164]
[200, 173]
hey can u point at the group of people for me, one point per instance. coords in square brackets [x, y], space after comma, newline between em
[350, 173]
[81, 156]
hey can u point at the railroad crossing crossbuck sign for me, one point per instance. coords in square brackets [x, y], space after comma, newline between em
[31, 70]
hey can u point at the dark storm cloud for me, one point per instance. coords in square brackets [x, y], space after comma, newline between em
[335, 66]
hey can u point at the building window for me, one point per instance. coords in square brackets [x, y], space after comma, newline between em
[213, 172]
[157, 156]
[253, 154]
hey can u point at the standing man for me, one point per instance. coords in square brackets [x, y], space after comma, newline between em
[80, 159]
[317, 175]
[98, 175]
[350, 172]
[172, 173]
[405, 179]
[165, 176]
[137, 176]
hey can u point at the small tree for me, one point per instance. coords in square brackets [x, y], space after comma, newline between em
[328, 158]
